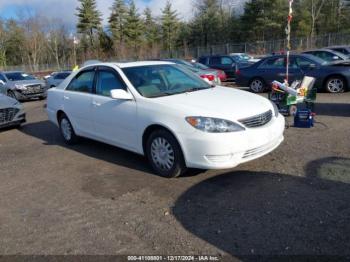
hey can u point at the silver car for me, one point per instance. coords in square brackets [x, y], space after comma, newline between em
[56, 78]
[11, 112]
[22, 86]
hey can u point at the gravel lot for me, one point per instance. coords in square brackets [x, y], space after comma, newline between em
[95, 199]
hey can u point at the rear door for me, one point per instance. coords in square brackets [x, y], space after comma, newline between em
[115, 120]
[77, 101]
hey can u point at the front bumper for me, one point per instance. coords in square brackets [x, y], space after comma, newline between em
[227, 150]
[19, 119]
[21, 95]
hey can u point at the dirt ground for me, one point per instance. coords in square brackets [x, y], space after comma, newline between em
[94, 199]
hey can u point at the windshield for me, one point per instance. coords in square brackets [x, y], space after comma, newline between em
[19, 76]
[163, 80]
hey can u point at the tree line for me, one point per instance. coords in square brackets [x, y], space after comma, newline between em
[132, 34]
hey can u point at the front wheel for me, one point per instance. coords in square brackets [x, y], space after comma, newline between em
[67, 130]
[335, 85]
[257, 85]
[164, 154]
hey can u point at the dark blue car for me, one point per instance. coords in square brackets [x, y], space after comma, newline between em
[333, 77]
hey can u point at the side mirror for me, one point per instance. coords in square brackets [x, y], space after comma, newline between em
[2, 82]
[121, 94]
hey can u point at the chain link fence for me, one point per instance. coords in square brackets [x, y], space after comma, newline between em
[254, 48]
[261, 47]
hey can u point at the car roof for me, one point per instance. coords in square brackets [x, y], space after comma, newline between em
[132, 64]
[308, 56]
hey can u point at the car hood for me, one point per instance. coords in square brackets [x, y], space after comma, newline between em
[27, 82]
[6, 101]
[219, 102]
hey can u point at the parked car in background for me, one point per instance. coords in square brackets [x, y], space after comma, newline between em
[341, 49]
[11, 112]
[22, 86]
[226, 63]
[327, 55]
[212, 76]
[160, 110]
[244, 57]
[333, 77]
[56, 78]
[221, 73]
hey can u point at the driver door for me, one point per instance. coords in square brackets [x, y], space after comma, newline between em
[114, 120]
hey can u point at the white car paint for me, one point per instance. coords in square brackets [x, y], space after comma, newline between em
[123, 123]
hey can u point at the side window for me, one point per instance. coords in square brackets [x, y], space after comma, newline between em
[215, 60]
[226, 61]
[2, 78]
[108, 80]
[303, 63]
[325, 56]
[274, 63]
[83, 82]
[61, 76]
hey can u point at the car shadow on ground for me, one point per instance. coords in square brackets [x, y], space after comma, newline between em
[333, 109]
[259, 213]
[49, 134]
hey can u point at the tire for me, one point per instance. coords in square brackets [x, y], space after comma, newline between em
[42, 97]
[164, 154]
[335, 84]
[257, 85]
[12, 94]
[67, 131]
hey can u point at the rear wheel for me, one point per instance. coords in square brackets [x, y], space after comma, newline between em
[164, 154]
[257, 85]
[67, 130]
[335, 85]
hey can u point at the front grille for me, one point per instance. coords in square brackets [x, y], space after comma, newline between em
[7, 114]
[258, 120]
[33, 89]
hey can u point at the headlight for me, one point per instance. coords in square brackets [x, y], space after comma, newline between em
[213, 125]
[16, 103]
[19, 87]
[275, 108]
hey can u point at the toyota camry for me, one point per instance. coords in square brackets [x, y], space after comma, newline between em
[170, 115]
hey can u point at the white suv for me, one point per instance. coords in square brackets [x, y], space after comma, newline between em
[162, 111]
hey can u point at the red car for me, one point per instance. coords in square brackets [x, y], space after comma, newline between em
[221, 74]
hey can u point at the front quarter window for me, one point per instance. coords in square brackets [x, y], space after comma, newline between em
[83, 82]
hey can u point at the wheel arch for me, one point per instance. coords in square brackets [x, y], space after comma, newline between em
[151, 128]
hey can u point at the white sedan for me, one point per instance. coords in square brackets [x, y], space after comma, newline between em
[173, 117]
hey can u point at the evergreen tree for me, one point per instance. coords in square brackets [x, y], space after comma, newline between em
[117, 21]
[151, 28]
[133, 28]
[169, 27]
[89, 19]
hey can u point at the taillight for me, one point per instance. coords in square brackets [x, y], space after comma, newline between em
[209, 77]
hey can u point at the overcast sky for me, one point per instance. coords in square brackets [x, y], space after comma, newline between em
[65, 9]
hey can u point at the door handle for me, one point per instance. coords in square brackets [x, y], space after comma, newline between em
[66, 97]
[96, 103]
